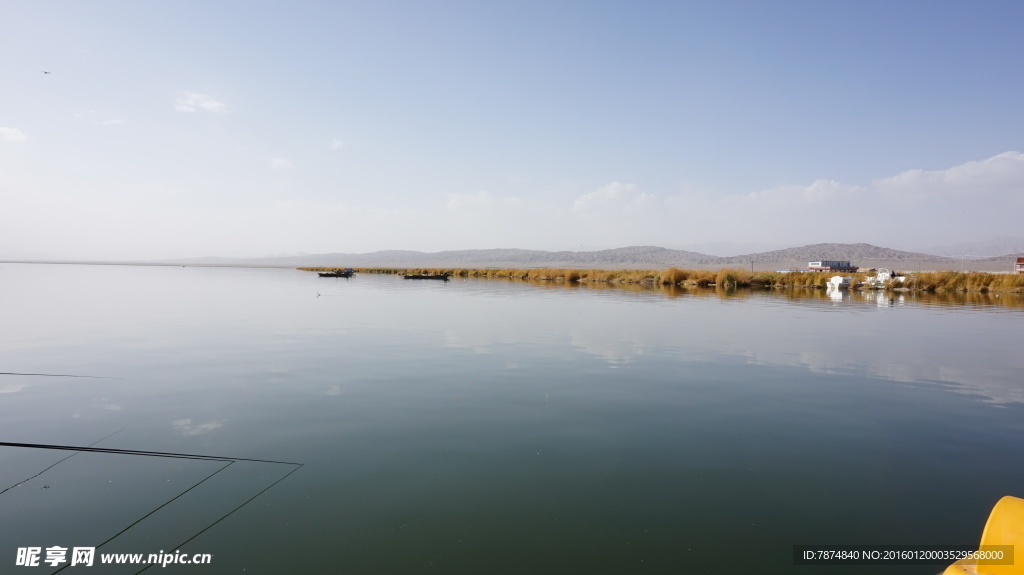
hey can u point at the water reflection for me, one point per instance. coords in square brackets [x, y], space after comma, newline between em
[836, 295]
[547, 417]
[953, 299]
[770, 329]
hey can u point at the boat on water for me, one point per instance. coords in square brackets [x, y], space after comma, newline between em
[883, 278]
[837, 282]
[443, 276]
[345, 273]
[1003, 532]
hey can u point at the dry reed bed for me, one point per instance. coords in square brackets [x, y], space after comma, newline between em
[941, 281]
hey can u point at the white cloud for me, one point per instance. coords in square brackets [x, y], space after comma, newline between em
[12, 135]
[192, 101]
[995, 175]
[973, 199]
[614, 196]
[825, 190]
[12, 388]
[967, 201]
[337, 144]
[280, 164]
[479, 200]
[186, 428]
[970, 200]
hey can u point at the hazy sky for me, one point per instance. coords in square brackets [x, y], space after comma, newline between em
[175, 129]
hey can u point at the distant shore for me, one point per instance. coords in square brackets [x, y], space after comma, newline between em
[939, 281]
[625, 258]
[926, 281]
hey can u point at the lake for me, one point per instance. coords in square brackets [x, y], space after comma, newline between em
[379, 425]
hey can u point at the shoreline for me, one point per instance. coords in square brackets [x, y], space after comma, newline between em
[923, 281]
[935, 281]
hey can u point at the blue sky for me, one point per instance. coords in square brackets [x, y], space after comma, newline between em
[182, 129]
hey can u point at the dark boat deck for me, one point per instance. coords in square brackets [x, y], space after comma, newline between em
[427, 277]
[337, 274]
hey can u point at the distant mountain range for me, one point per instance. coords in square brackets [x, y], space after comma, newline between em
[640, 257]
[980, 249]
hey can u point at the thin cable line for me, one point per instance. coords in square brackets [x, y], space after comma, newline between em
[55, 464]
[228, 460]
[137, 452]
[165, 504]
[246, 502]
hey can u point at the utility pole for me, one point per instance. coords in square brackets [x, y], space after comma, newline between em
[962, 256]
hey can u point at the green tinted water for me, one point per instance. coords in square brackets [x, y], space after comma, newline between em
[497, 427]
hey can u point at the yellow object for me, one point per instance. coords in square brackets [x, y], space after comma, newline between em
[1005, 526]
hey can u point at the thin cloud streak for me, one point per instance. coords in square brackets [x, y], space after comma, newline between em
[12, 135]
[190, 102]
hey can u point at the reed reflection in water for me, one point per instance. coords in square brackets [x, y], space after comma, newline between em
[502, 426]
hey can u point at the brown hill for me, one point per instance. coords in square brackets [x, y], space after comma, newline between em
[638, 257]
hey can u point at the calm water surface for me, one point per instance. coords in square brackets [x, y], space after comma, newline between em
[493, 427]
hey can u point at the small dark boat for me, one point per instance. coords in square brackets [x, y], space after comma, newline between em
[345, 273]
[443, 276]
